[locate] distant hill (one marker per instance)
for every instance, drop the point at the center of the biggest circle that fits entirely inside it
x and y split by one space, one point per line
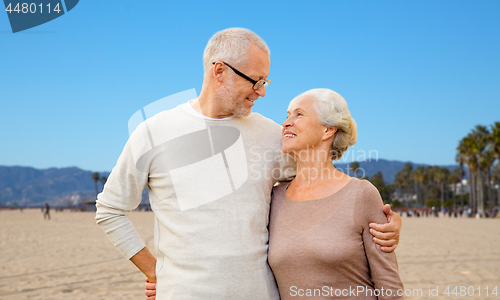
26 186
389 168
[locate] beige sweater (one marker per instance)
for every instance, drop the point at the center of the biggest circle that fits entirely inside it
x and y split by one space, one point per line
322 249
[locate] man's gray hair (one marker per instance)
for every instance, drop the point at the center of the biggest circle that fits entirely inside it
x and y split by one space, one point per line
231 45
333 112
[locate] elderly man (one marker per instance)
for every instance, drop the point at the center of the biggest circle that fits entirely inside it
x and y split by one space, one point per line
209 166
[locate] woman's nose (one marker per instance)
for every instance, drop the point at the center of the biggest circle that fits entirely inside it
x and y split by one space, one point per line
287 122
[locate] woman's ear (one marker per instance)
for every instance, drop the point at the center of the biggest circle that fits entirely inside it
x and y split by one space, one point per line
329 132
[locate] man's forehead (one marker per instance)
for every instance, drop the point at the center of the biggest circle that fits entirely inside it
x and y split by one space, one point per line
259 62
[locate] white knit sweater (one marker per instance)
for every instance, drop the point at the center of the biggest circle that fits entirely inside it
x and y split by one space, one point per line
209 184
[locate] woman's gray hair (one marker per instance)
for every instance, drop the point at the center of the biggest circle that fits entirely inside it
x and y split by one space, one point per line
231 45
333 112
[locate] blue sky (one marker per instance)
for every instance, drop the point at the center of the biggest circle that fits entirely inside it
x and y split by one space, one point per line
417 75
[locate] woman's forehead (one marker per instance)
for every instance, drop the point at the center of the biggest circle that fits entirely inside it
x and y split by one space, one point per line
304 102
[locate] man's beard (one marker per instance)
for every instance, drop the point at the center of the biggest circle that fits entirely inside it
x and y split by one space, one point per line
228 103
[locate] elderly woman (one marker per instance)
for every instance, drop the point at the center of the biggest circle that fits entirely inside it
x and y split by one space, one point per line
320 244
319 224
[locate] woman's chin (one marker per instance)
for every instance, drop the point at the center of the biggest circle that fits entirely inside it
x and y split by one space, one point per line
285 149
288 147
290 152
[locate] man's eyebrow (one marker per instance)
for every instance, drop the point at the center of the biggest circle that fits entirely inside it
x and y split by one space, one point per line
261 77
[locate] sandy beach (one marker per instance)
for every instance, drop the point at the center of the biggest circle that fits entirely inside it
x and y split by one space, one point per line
69 257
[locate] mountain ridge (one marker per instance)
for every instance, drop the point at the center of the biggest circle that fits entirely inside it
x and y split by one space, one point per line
69 186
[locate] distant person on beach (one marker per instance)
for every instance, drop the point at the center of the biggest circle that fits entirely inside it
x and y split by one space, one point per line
320 241
208 247
46 213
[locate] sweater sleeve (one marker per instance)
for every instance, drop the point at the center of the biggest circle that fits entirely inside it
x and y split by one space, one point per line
122 194
383 266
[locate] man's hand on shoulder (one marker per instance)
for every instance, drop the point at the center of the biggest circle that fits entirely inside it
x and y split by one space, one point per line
387 235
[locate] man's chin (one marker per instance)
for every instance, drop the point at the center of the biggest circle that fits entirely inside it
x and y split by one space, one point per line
242 112
246 113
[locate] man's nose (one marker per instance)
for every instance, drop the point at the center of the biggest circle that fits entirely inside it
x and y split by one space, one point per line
261 91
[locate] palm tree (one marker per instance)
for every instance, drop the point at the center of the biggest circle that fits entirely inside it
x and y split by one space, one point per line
495 139
486 161
481 137
385 190
471 151
403 182
433 184
418 176
462 173
496 180
103 180
355 168
466 156
468 152
441 177
95 178
495 148
480 151
456 179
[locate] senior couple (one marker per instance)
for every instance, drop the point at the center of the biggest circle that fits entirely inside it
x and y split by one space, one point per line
322 234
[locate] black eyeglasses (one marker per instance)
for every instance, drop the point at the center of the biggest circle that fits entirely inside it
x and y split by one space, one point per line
257 84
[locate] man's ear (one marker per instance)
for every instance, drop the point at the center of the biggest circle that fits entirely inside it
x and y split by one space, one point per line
329 132
218 71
